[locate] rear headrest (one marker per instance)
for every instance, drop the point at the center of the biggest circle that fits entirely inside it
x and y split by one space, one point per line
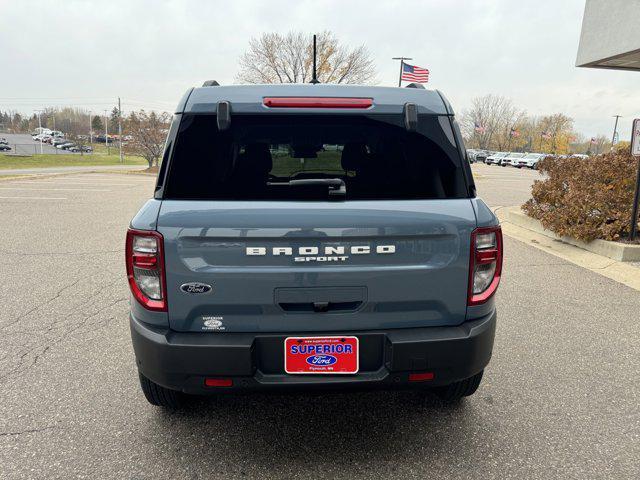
354 156
257 158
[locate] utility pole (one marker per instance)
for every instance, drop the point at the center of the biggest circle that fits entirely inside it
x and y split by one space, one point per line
615 130
40 128
120 129
106 132
402 59
90 130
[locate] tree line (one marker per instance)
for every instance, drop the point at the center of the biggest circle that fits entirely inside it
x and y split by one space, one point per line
145 132
65 119
494 123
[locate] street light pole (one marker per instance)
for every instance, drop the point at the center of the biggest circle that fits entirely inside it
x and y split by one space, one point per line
106 132
402 59
615 130
40 128
120 129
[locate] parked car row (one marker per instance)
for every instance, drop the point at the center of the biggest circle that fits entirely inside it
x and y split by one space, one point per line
47 137
56 139
72 147
514 159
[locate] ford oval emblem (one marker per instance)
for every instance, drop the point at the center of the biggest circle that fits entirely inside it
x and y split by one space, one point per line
321 360
195 287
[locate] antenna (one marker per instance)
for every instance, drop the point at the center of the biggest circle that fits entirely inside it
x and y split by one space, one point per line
314 79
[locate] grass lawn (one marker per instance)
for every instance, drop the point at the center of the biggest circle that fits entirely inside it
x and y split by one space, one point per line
285 166
8 162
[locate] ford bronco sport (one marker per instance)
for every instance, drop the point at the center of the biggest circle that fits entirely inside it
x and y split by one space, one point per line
312 236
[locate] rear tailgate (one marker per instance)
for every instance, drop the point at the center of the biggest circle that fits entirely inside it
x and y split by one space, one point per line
405 264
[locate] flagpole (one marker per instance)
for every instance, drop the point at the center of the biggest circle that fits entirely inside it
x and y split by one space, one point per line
402 59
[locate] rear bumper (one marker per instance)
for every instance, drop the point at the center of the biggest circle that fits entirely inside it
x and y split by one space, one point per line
182 361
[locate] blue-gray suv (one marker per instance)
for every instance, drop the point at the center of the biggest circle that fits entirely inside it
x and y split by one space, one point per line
314 237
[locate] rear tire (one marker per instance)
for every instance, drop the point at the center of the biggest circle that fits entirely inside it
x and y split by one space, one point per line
456 391
158 395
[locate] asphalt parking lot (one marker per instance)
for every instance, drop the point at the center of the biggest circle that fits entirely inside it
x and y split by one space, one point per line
560 398
23 144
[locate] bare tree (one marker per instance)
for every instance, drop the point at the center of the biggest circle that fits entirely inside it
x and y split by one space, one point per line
148 134
77 131
276 58
489 122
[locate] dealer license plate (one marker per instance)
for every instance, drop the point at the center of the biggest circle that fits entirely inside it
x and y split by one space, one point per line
327 355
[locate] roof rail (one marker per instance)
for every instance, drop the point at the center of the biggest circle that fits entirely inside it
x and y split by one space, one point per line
415 85
210 83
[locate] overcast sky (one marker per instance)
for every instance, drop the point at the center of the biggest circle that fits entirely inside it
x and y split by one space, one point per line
149 52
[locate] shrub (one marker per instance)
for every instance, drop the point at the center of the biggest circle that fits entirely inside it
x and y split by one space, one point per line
585 198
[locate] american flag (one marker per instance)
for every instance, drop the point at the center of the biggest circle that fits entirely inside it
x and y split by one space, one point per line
478 127
411 73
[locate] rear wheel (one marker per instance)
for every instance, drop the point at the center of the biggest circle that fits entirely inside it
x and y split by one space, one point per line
456 391
158 395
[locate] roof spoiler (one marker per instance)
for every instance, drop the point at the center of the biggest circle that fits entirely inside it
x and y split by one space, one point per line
415 85
210 83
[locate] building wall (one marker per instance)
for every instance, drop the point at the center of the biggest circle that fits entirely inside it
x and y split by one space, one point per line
609 28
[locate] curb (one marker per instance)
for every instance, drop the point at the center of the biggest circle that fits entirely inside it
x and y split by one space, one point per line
622 272
614 250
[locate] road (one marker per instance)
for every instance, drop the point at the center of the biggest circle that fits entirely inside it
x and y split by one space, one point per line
503 186
559 399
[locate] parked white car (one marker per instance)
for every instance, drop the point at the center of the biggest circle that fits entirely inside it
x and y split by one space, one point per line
512 158
530 160
496 158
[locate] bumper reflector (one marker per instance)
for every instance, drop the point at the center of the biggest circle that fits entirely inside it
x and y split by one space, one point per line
421 377
218 382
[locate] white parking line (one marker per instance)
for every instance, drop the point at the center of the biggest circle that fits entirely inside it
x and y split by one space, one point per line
34 198
97 184
56 189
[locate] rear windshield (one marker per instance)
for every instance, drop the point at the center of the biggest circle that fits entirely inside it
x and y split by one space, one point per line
314 157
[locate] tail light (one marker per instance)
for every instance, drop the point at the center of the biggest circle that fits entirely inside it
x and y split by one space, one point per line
145 269
485 264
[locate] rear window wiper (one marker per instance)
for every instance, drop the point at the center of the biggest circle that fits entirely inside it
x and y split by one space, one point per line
337 187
